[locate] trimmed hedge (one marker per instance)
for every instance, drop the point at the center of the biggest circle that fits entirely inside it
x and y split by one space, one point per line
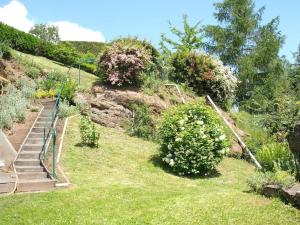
62 52
85 47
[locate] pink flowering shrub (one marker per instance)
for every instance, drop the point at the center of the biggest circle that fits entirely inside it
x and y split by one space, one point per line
123 64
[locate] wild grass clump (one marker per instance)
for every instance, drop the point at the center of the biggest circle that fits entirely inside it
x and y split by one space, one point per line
143 124
260 180
275 155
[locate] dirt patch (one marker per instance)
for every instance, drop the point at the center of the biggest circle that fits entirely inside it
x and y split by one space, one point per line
20 130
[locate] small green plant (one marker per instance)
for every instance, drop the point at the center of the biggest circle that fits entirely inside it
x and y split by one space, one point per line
274 155
32 72
88 132
52 80
143 124
68 90
259 180
66 110
82 105
34 109
5 52
13 106
192 139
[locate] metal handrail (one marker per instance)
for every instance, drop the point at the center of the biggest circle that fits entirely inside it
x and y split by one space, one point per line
51 133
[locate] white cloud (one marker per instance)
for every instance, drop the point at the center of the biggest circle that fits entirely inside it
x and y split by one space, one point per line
15 14
73 32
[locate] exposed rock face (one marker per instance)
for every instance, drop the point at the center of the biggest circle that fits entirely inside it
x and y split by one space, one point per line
111 107
2 69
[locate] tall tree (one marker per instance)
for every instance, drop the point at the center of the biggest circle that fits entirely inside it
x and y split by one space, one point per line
191 38
233 38
46 32
261 60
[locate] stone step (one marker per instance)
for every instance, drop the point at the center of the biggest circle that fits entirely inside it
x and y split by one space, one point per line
44 119
35 185
29 168
31 175
36 135
35 141
27 162
32 147
40 130
29 155
42 124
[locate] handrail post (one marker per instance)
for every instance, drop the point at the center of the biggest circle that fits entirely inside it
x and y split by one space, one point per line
44 145
79 74
54 153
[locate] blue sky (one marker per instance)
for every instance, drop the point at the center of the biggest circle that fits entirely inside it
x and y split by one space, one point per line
149 18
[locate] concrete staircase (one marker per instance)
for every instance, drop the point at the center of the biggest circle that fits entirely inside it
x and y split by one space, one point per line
31 174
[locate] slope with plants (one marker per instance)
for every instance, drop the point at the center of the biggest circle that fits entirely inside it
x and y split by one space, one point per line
122 182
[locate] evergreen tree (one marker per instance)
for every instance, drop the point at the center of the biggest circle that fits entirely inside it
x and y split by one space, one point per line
233 38
191 38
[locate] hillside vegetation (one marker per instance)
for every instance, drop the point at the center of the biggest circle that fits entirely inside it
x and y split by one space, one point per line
122 182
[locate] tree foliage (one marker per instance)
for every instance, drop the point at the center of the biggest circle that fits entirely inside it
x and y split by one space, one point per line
233 38
190 38
48 33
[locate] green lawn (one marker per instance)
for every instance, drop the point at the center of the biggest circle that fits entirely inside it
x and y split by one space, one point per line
86 81
122 183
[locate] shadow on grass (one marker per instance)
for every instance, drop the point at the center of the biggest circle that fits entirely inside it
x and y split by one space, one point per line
157 162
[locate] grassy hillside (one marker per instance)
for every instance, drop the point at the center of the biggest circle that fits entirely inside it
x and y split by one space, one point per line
122 182
87 79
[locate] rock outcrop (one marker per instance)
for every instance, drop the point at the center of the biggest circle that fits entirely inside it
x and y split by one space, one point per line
112 107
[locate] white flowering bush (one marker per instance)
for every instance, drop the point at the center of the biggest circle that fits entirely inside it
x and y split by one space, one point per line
192 139
224 83
205 74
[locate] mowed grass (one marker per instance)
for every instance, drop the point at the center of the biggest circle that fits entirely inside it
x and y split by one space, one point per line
86 79
122 182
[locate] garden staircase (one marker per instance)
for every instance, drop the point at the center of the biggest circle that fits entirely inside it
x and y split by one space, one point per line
32 175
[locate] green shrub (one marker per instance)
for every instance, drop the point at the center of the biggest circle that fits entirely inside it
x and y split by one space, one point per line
13 106
256 135
68 90
85 47
66 110
5 52
82 105
62 52
65 53
275 155
143 124
32 72
192 139
88 132
52 80
259 180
